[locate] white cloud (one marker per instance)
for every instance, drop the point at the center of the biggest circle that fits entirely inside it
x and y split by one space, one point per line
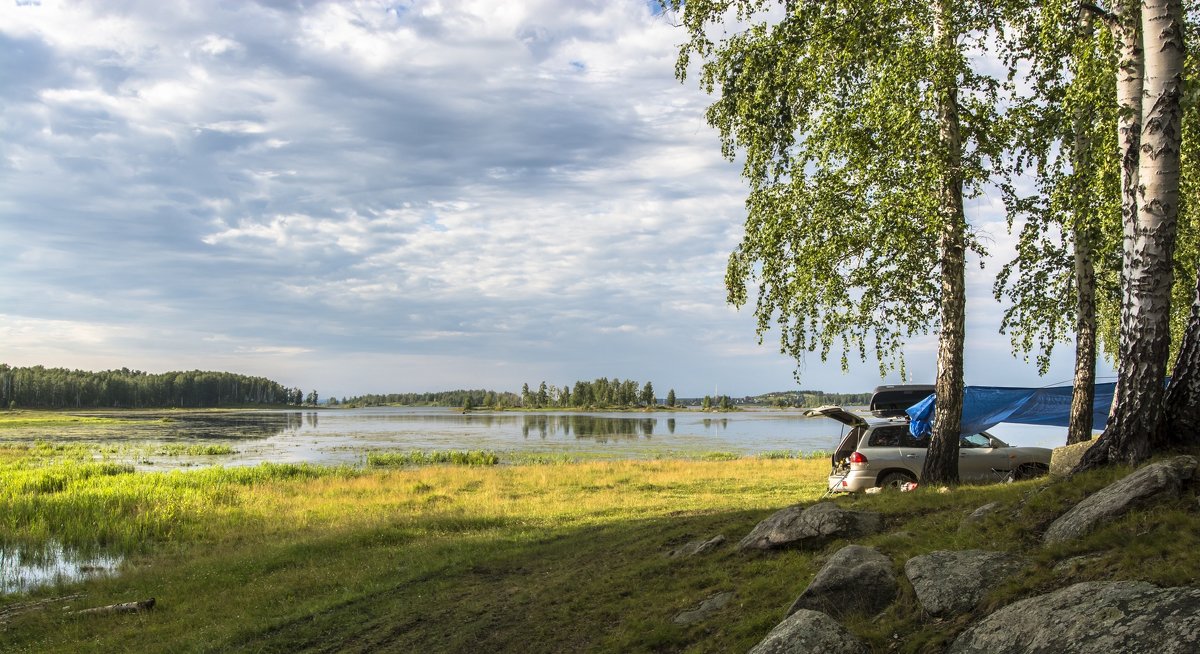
310 190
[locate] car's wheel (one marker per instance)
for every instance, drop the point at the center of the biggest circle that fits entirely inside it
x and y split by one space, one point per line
1030 470
893 480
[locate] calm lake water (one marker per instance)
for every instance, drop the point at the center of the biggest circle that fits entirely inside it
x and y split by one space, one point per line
344 436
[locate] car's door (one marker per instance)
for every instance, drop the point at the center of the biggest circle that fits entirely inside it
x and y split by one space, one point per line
976 458
912 452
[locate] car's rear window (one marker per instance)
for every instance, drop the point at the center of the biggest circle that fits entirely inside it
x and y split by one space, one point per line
888 436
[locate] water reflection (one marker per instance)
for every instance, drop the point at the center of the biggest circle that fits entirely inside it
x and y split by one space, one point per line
24 569
598 428
340 436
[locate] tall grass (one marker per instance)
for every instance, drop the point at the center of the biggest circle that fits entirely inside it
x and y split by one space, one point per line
418 458
87 504
798 454
179 449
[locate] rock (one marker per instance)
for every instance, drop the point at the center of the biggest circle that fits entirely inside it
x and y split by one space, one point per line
797 526
809 632
1118 497
979 514
1064 459
695 547
1096 617
1075 563
705 610
953 582
856 579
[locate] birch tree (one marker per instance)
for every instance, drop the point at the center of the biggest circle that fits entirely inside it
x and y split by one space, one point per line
1145 316
863 126
1065 277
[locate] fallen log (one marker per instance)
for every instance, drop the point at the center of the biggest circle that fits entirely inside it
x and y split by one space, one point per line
13 610
126 607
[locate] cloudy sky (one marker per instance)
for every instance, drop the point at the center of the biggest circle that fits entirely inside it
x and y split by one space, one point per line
386 196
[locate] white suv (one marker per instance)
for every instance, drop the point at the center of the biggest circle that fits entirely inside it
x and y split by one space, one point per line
882 452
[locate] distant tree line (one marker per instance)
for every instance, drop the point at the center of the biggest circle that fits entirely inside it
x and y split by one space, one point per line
457 398
38 387
805 398
599 393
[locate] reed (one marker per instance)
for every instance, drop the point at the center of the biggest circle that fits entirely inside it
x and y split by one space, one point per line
419 458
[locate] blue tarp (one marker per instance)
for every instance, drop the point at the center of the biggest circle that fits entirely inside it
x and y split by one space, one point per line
987 406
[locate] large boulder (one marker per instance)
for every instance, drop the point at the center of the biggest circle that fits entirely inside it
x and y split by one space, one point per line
797 526
1164 477
855 579
809 632
1098 617
1064 459
952 582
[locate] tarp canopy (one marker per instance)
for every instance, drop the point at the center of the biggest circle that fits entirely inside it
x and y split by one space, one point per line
987 406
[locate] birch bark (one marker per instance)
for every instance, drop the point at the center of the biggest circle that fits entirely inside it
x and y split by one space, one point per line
1145 327
941 461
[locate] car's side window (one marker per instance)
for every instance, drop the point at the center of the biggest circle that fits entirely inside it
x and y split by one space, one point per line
975 440
886 437
908 440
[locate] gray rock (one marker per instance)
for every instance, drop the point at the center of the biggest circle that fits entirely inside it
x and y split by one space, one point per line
695 547
809 632
1064 459
953 582
1099 617
705 610
855 579
797 526
1076 563
978 515
1164 477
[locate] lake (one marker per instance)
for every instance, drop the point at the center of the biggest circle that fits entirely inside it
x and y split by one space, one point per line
343 436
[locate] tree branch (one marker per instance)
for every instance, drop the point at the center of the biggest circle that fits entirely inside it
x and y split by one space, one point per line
1107 16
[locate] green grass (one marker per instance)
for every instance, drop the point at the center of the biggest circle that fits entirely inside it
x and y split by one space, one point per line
179 449
798 454
20 419
418 458
528 558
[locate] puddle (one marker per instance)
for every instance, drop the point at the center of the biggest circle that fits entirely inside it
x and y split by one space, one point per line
24 569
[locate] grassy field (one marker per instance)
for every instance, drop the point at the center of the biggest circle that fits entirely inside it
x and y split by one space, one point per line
540 557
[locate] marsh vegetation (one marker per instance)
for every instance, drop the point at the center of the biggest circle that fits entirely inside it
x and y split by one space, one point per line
546 556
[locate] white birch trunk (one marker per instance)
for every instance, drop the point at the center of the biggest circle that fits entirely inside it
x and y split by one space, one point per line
1146 314
941 460
1083 394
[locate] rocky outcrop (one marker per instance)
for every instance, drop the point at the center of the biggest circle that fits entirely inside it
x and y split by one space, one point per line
809 632
1064 459
856 579
797 526
705 610
1092 618
1165 477
953 582
695 547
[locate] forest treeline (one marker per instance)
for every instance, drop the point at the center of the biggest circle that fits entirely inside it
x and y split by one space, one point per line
38 387
456 398
601 392
806 399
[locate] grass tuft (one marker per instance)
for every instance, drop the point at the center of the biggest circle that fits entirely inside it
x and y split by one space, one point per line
419 458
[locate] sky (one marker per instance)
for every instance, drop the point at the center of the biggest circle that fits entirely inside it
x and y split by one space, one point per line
372 197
